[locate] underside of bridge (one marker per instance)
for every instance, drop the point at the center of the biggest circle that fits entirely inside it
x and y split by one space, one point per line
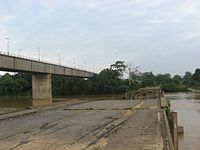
41 89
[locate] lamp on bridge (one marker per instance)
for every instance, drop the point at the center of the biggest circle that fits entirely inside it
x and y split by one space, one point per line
20 51
59 59
7 45
38 48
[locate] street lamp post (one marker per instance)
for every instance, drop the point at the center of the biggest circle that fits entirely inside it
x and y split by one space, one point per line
59 59
43 57
20 51
7 45
74 62
38 48
85 66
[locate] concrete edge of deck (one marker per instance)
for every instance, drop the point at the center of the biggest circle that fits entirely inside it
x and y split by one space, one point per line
16 114
167 137
35 110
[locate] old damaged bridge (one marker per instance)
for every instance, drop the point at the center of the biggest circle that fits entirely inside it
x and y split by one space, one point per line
41 75
88 125
137 124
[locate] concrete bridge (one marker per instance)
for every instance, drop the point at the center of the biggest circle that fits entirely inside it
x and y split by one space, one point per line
145 93
41 75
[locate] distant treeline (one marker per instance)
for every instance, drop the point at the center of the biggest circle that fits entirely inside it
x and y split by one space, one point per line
108 81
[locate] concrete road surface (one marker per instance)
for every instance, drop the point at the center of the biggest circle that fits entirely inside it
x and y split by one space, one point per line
91 125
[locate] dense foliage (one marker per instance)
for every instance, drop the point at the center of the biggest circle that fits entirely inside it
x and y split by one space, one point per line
108 81
17 84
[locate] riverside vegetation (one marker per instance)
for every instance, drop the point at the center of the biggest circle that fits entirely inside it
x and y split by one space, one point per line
108 81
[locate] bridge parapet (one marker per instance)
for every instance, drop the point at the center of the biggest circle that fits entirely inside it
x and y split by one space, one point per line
17 64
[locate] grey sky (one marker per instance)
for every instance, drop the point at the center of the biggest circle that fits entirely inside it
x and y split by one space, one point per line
159 35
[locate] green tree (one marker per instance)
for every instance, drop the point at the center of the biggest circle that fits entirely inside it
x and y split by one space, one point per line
148 79
119 67
177 79
187 79
162 79
196 75
108 82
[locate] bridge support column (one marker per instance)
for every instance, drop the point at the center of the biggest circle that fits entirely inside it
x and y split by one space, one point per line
41 89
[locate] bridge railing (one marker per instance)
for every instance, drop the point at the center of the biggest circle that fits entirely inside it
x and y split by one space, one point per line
26 57
37 59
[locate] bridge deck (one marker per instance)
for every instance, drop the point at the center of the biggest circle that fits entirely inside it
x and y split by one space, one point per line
18 64
108 124
143 131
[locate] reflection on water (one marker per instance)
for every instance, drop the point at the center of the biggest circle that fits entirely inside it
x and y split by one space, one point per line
188 107
14 103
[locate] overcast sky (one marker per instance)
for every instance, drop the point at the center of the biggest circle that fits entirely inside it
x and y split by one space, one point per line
162 36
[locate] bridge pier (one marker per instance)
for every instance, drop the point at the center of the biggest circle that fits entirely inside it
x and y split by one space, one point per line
41 89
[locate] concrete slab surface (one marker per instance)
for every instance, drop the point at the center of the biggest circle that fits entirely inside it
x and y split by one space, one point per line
93 125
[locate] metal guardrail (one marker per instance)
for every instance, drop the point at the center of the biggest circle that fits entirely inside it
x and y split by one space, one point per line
25 57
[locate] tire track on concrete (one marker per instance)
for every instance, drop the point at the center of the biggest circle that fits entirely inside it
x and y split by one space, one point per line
111 127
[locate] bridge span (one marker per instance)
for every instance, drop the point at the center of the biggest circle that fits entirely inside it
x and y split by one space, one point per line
41 75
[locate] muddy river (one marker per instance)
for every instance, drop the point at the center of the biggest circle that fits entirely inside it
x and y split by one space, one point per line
188 107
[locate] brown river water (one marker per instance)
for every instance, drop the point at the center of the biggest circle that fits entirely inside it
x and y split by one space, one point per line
188 107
